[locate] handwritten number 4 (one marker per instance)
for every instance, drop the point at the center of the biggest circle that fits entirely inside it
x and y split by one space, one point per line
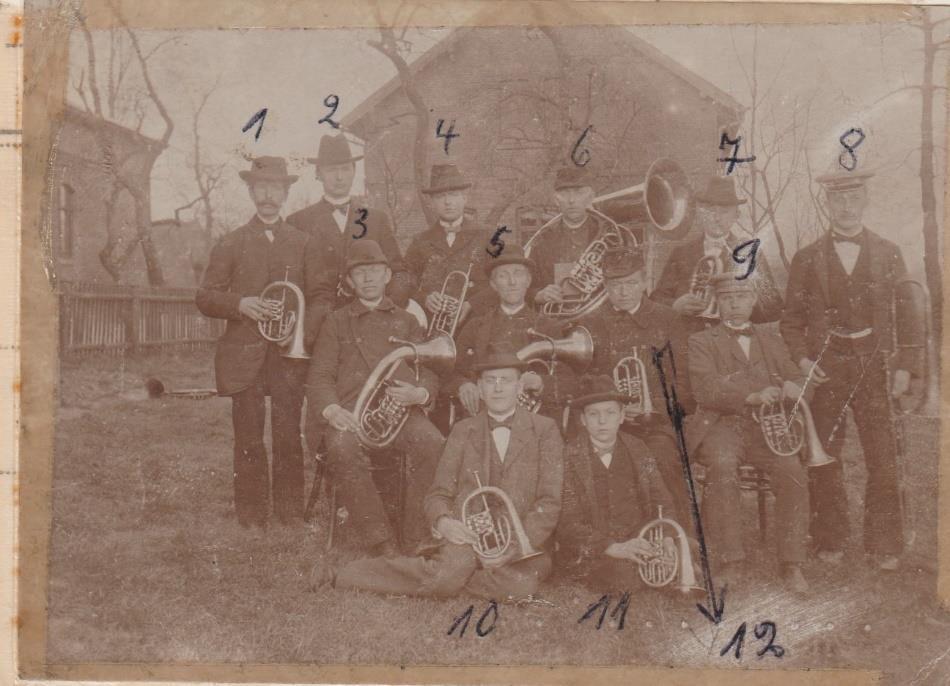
447 135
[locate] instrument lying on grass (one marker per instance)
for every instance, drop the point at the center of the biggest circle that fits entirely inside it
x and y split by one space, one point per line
671 554
630 378
285 326
786 431
494 531
447 319
575 349
156 389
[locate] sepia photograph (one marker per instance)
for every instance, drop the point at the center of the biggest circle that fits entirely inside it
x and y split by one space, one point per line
487 343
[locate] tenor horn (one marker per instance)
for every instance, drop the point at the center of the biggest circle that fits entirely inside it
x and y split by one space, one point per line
786 432
285 323
630 378
493 531
700 284
379 416
446 320
670 554
577 349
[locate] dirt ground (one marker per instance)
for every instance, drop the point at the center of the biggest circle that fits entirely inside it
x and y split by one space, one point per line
148 564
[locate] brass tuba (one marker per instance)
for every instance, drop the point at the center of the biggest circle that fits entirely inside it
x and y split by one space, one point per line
662 200
446 320
576 349
669 556
286 323
700 284
786 432
378 415
630 378
493 531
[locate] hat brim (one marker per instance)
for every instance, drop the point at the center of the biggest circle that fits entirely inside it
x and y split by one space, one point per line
572 184
507 362
502 260
360 263
316 161
432 190
250 176
583 401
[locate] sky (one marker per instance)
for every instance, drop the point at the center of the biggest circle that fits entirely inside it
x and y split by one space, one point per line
845 71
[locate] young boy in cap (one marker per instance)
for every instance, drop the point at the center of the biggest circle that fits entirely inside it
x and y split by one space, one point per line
839 328
352 341
717 211
612 487
247 366
734 368
503 446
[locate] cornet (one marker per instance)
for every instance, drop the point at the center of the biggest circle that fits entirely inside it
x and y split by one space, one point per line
700 284
671 554
576 349
446 320
630 378
286 324
785 432
493 532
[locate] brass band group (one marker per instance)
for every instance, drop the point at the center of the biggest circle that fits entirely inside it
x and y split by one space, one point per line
489 414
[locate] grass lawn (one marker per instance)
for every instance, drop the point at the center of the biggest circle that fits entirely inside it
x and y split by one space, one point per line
148 564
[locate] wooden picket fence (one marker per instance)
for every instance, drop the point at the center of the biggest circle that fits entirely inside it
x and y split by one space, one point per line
114 319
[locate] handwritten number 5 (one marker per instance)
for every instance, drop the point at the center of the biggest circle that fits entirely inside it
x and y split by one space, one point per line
581 156
361 222
753 246
497 241
331 101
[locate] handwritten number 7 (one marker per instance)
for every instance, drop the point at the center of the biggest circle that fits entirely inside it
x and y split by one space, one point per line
331 101
256 119
753 246
361 222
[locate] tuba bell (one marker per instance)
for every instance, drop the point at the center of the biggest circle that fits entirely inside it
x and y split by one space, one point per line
285 326
700 284
494 531
786 432
446 320
662 200
380 417
630 378
576 349
671 554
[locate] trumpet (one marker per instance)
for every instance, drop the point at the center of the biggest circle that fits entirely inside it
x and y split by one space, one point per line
285 326
446 320
379 416
577 349
494 532
786 432
701 284
671 554
630 378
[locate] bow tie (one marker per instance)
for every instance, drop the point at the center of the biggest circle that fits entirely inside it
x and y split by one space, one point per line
740 331
499 424
340 208
841 238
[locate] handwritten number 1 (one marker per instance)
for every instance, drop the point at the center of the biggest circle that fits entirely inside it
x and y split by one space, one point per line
753 246
256 119
331 101
361 222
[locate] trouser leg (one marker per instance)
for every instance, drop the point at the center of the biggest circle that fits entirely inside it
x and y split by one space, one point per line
513 581
721 452
422 444
350 468
251 485
285 379
445 574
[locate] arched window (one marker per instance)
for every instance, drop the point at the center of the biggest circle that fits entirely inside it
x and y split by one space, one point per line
67 200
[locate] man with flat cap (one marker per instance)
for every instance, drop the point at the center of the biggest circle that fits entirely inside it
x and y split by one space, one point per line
612 488
839 327
247 366
453 243
627 329
717 211
351 343
504 447
337 223
735 367
509 277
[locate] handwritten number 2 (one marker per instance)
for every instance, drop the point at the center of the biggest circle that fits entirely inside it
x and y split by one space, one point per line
581 156
848 159
256 119
768 628
331 101
497 241
361 222
753 246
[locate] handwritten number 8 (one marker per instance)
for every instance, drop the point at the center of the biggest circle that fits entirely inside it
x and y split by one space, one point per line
848 159
331 101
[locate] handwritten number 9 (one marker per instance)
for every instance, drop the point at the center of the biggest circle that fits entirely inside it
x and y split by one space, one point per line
581 156
753 246
331 101
361 222
848 159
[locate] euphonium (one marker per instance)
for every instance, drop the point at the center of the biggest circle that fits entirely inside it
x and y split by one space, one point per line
701 284
630 378
669 555
378 415
446 320
493 531
786 432
286 324
576 349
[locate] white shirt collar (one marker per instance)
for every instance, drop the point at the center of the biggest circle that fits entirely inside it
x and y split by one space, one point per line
345 200
573 226
603 446
371 304
272 222
501 418
452 225
511 311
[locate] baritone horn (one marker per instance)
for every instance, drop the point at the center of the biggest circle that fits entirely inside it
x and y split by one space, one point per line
786 432
379 416
670 554
493 532
285 325
700 284
446 320
630 378
576 349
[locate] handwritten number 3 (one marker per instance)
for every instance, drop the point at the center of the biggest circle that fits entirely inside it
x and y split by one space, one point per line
331 101
361 222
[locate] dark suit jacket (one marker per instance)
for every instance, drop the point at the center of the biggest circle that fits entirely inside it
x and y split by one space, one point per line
583 530
723 377
678 271
806 320
318 221
532 477
241 264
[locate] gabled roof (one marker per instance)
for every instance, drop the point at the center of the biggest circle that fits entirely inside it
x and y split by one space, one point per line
641 46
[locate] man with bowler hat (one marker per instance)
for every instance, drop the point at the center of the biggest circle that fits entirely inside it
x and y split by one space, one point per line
337 223
247 366
717 210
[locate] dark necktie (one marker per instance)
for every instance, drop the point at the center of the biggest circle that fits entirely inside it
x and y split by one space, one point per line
841 238
740 331
340 208
495 424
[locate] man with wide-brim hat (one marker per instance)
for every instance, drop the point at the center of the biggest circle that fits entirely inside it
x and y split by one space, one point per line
454 242
247 366
352 342
717 213
625 331
505 447
839 325
612 488
338 221
740 372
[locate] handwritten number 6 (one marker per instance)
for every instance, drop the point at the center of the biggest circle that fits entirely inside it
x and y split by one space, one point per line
753 246
331 101
361 222
581 156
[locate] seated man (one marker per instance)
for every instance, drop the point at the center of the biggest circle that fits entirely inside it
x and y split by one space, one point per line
612 487
352 341
509 275
734 368
502 446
